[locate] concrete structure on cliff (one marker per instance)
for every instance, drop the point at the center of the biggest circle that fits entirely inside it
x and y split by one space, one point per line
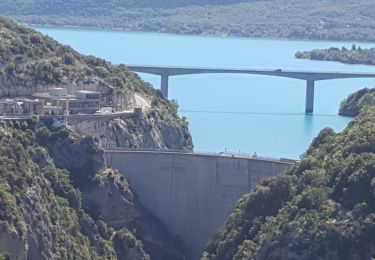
193 194
308 76
21 107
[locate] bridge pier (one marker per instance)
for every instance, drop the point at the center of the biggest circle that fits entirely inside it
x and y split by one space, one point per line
309 106
164 85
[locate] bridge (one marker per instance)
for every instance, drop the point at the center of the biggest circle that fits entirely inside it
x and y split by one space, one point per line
191 193
309 76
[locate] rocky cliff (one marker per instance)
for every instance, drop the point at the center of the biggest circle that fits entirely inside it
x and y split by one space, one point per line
148 131
59 201
106 195
357 101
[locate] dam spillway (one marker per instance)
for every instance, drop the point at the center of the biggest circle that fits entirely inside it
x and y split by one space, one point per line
192 194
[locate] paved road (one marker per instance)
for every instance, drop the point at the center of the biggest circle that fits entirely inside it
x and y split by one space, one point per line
142 102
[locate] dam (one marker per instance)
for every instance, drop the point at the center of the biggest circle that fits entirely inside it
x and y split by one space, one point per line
191 193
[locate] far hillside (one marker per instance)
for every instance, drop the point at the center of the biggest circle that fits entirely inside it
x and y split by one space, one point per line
302 19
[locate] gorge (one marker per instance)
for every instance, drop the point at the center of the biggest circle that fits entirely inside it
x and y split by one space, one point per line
67 172
159 200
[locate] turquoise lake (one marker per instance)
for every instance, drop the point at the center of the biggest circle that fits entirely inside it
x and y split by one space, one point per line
237 113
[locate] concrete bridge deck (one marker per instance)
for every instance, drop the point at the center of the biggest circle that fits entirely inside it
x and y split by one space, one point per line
191 193
309 76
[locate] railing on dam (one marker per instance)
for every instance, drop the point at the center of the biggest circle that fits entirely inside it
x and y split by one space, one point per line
238 155
191 193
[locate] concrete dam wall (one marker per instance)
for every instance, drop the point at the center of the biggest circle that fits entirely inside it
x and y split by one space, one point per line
193 194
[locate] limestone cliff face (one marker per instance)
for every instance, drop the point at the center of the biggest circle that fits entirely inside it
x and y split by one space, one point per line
149 131
81 156
13 245
39 234
357 101
111 199
128 246
37 219
106 195
13 87
58 201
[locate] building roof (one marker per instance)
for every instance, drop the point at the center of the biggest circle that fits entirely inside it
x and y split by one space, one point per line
87 92
13 100
48 95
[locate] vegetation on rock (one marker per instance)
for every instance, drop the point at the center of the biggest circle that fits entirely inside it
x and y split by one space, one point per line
46 177
322 19
321 208
39 204
358 101
27 55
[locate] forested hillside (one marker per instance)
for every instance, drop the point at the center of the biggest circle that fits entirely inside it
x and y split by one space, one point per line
66 5
323 207
321 19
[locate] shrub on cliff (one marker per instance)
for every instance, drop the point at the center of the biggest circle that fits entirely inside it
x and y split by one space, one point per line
356 102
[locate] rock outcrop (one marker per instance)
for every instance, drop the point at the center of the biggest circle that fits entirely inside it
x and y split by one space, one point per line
106 195
58 201
149 131
111 199
128 246
11 244
357 101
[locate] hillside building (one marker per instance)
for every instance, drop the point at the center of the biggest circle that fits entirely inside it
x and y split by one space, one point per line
57 101
21 107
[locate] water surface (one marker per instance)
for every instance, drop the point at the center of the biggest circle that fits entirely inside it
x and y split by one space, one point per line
239 113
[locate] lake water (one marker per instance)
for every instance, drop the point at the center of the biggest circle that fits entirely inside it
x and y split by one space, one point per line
239 113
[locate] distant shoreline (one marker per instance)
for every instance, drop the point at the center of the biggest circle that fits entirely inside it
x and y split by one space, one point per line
274 19
227 36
